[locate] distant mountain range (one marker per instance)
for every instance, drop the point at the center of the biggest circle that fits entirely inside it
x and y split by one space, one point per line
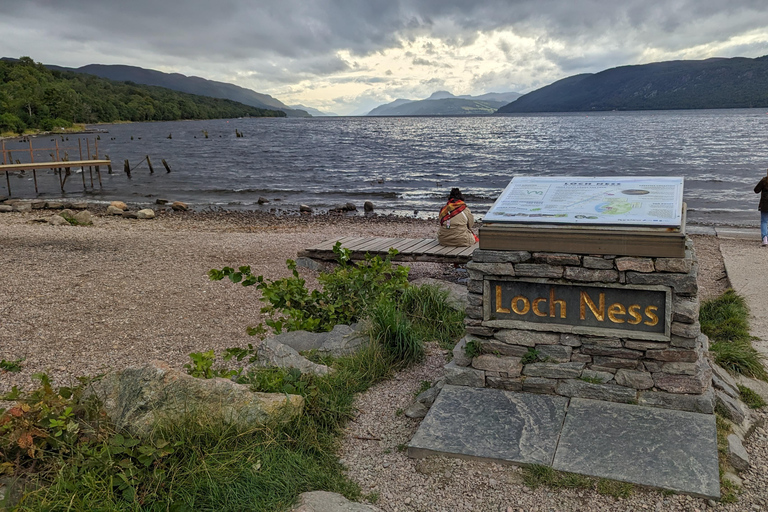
313 111
443 103
695 84
188 84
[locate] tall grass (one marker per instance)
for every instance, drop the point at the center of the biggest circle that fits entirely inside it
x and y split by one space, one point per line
725 320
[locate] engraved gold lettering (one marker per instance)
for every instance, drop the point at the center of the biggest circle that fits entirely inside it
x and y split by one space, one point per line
499 307
634 312
536 303
526 305
614 310
586 300
553 301
652 318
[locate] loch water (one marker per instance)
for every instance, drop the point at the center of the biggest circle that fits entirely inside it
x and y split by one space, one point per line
407 165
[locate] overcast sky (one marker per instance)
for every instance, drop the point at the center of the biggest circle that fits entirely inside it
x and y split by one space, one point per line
351 55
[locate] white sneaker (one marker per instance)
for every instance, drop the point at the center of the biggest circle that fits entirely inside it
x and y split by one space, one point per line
765 241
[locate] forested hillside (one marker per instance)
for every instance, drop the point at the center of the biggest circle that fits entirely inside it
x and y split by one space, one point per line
712 83
34 97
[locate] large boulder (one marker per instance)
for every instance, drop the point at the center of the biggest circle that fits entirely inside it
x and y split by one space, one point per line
146 213
341 341
114 210
83 218
136 399
272 353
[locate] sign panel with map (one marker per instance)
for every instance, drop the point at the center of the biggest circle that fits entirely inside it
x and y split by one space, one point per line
640 201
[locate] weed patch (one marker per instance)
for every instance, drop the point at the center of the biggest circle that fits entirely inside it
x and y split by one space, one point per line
749 397
11 366
536 476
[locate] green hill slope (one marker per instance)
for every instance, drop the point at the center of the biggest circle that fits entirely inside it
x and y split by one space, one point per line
32 96
712 83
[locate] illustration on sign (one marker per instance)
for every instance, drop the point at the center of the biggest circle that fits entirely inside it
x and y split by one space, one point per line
643 201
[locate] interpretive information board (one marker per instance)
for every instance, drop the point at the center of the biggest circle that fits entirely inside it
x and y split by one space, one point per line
640 201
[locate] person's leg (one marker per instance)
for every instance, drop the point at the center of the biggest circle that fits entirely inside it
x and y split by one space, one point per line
763 225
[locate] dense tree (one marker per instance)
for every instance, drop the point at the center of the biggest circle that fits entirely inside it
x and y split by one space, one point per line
32 96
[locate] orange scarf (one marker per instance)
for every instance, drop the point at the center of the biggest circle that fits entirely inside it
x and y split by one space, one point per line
450 210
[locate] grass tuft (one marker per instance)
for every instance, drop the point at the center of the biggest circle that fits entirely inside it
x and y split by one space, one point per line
11 366
536 476
750 398
725 320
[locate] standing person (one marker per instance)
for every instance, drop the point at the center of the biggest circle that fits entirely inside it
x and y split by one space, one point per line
762 188
456 222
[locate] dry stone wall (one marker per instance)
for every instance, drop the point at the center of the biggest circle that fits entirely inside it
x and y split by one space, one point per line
670 371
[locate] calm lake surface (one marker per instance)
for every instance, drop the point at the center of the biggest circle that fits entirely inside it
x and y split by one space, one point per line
410 164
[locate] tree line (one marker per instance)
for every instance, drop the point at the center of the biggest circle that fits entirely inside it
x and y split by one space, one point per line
34 97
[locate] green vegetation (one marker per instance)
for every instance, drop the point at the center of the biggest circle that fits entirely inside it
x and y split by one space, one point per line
592 380
750 398
72 459
473 348
34 97
531 356
725 320
536 476
728 490
11 366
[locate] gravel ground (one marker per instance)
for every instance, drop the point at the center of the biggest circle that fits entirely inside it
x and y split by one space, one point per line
81 300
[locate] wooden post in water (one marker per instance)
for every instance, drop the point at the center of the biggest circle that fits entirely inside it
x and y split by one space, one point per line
7 179
151 170
82 171
109 167
32 160
90 169
98 171
167 168
127 168
58 169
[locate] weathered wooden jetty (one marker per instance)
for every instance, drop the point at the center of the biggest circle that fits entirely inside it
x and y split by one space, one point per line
61 165
409 249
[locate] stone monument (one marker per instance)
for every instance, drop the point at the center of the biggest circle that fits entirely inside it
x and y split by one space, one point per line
586 288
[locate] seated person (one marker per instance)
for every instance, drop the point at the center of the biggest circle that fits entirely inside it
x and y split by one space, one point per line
456 222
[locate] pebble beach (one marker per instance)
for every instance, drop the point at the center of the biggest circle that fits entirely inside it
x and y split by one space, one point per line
81 300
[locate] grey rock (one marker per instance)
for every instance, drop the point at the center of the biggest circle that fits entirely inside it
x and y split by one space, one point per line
678 265
428 396
601 341
54 205
621 353
682 342
538 270
416 410
309 263
737 455
475 286
578 357
603 377
323 501
342 340
680 368
527 338
479 331
506 383
84 218
136 399
673 355
539 385
732 407
644 265
57 220
503 364
688 384
474 299
305 209
474 312
722 380
486 256
685 309
570 340
733 478
22 207
80 205
758 386
262 200
686 330
272 353
554 258
350 207
495 269
38 205
4 208
129 215
645 345
703 403
607 363
610 392
497 347
463 376
146 213
683 284
553 370
460 356
368 206
114 210
556 353
597 263
590 275
161 201
67 213
634 379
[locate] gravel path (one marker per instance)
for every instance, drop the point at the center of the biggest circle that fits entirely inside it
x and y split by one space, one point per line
81 300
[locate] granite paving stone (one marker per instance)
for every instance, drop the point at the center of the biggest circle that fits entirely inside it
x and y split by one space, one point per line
491 424
673 450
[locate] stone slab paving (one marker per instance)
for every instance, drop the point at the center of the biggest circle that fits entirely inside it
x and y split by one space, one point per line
673 450
491 424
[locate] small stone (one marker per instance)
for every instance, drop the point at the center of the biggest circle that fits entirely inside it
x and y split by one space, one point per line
305 209
416 410
161 201
505 383
597 263
350 207
703 403
554 258
686 330
4 208
495 269
497 347
262 200
733 408
737 455
677 265
635 264
590 275
179 206
570 340
527 338
556 353
688 384
634 379
614 363
22 207
538 270
368 206
622 353
129 215
57 220
486 256
553 370
603 377
685 309
460 356
54 205
505 364
461 376
83 218
119 204
673 355
146 213
114 210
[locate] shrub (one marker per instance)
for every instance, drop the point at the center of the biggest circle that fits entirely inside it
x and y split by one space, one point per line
11 123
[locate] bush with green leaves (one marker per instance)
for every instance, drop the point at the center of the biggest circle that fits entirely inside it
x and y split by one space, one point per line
347 292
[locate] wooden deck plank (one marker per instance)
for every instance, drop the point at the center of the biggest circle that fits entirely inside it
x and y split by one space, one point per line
368 244
395 243
411 244
354 245
429 248
468 250
328 244
418 248
53 165
383 245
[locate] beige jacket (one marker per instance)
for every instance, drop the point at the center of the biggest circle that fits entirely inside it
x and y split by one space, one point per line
456 231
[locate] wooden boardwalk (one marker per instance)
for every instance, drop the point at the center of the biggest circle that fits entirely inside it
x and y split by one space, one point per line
410 249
